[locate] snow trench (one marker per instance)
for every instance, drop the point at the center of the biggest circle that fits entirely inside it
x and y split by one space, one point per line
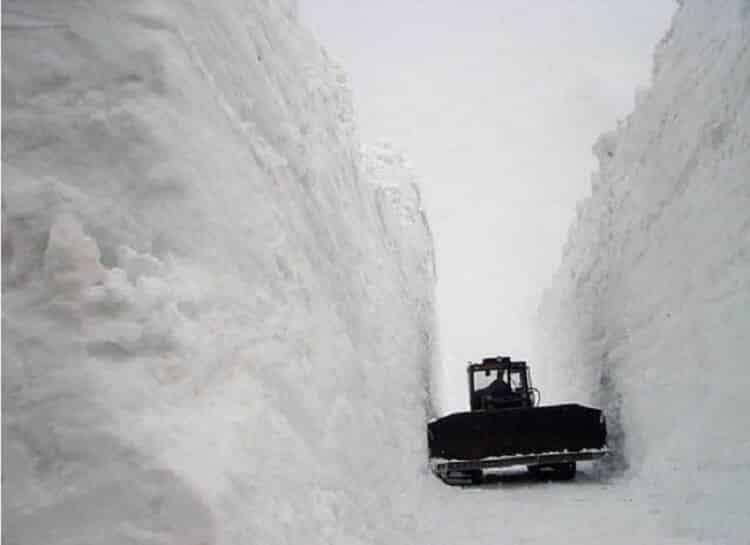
649 313
217 310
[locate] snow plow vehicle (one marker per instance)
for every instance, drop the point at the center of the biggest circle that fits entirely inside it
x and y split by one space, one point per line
506 427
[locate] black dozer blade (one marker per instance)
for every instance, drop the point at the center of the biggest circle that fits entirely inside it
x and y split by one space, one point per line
510 432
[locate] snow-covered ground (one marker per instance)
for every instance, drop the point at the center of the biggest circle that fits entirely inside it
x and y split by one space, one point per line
513 509
218 314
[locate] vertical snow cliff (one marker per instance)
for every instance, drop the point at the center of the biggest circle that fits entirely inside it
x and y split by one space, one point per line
649 314
217 320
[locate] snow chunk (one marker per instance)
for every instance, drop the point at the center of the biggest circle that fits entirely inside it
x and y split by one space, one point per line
71 260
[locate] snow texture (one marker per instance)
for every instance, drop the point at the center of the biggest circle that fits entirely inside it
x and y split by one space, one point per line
217 312
649 313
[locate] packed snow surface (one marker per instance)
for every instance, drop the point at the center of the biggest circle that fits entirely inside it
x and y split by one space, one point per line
218 314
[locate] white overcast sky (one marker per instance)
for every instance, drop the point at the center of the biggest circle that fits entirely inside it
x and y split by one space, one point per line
497 104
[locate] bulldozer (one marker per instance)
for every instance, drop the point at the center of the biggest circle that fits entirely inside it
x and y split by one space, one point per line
506 426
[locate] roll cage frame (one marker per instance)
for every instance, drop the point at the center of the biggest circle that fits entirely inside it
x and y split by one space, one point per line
524 396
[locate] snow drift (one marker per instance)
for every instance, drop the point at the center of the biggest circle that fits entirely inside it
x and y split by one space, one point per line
649 313
217 319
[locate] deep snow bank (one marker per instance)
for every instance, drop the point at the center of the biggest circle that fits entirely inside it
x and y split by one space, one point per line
216 321
649 314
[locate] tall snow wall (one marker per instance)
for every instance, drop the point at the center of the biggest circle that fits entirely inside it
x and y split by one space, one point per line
649 313
217 319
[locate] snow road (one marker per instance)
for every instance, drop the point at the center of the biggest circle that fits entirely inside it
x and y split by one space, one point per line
512 507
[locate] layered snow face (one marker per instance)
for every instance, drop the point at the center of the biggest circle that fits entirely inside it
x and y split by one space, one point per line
217 315
649 314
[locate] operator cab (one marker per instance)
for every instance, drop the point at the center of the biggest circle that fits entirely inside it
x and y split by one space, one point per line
499 383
